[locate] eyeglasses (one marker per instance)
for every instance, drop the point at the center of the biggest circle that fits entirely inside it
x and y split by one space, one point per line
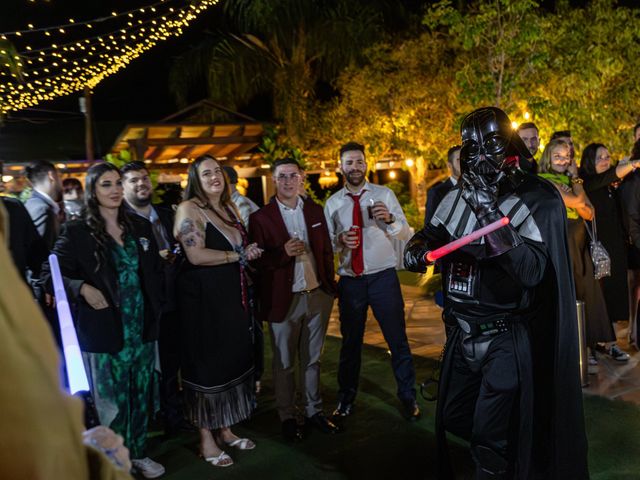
291 177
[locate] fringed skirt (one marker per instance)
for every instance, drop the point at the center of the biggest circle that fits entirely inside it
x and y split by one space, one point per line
220 406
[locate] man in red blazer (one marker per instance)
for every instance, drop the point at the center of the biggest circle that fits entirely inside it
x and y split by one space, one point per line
296 292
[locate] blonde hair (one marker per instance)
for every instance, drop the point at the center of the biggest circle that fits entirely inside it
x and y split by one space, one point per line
545 160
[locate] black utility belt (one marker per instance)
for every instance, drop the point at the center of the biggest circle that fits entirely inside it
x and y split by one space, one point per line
484 326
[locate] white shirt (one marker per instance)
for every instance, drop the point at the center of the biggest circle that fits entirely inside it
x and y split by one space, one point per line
378 251
245 206
304 272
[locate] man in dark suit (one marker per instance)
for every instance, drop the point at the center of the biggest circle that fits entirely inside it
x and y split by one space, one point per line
44 203
297 289
436 193
137 195
27 247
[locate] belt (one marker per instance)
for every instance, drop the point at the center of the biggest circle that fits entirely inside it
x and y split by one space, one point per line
484 326
306 292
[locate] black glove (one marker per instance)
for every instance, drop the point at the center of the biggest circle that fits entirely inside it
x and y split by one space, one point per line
482 198
414 254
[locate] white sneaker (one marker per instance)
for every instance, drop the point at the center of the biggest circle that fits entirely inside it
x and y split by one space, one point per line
147 467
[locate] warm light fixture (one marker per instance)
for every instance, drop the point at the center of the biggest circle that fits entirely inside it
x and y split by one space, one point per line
527 116
7 178
265 166
60 166
148 160
392 174
328 179
409 162
514 125
184 160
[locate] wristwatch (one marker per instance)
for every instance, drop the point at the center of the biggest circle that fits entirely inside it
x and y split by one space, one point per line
392 219
577 180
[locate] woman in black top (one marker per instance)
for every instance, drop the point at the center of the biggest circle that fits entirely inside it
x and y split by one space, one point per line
601 181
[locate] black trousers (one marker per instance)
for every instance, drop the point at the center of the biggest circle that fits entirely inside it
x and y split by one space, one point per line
480 402
382 292
168 349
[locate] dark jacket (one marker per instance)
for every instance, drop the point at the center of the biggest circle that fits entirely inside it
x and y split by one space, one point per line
434 196
166 216
276 268
101 331
27 247
46 221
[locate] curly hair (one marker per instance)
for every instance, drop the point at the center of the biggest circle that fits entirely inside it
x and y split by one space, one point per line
91 213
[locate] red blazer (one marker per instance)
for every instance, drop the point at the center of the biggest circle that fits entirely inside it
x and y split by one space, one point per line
275 267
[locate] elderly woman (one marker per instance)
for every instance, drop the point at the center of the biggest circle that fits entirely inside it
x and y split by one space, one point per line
215 311
601 181
557 166
113 272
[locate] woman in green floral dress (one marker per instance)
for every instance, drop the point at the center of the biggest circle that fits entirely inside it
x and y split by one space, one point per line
113 273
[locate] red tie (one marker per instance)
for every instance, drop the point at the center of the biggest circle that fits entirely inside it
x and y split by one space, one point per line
357 260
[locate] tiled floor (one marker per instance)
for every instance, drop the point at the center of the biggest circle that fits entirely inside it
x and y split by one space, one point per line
426 337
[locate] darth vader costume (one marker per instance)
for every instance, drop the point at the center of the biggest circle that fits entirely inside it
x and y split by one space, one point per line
509 382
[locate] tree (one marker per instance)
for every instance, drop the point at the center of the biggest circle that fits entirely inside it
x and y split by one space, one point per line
283 48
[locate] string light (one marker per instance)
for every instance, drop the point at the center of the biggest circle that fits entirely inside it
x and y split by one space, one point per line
68 67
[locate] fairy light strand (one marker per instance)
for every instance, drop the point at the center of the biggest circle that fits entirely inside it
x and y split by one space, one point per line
72 66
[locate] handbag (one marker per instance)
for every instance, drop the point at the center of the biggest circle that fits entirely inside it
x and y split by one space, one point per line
599 255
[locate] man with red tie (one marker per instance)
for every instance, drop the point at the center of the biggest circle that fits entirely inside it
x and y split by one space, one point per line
363 219
296 292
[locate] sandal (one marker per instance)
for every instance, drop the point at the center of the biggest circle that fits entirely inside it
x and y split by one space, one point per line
215 461
242 444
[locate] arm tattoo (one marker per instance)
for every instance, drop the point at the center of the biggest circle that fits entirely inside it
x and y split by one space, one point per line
190 233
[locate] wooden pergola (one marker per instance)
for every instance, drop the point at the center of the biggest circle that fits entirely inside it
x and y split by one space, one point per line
162 145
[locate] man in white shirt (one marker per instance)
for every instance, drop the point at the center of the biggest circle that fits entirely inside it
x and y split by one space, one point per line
362 219
245 205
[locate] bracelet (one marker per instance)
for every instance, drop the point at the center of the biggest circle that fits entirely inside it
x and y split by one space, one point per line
226 257
576 180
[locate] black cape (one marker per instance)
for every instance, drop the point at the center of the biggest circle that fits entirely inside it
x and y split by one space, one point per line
551 416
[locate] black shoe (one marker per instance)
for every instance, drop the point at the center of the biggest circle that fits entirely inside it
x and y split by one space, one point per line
411 410
322 423
343 410
291 431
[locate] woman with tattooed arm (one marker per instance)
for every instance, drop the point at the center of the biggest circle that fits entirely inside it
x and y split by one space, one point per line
215 311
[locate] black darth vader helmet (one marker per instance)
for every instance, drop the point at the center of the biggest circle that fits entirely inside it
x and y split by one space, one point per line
490 144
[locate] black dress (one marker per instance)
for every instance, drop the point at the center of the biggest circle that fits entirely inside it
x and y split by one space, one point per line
604 196
217 361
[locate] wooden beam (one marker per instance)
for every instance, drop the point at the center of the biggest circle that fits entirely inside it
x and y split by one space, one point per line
154 142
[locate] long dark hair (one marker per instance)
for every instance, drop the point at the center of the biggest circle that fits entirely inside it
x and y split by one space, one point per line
588 161
194 187
92 216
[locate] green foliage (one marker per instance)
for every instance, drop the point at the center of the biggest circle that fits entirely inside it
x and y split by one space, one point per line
119 160
275 147
573 70
409 206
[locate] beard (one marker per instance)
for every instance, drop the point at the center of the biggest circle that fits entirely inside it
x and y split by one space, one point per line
355 178
140 202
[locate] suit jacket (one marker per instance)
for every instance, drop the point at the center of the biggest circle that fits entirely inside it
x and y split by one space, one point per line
44 218
166 216
434 196
276 268
27 247
101 330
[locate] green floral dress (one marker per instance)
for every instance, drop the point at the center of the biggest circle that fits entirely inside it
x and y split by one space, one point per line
122 381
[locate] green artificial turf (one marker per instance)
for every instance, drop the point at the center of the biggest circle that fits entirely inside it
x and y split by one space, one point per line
377 442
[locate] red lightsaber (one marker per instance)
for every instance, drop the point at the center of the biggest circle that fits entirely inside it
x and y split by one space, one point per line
434 255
